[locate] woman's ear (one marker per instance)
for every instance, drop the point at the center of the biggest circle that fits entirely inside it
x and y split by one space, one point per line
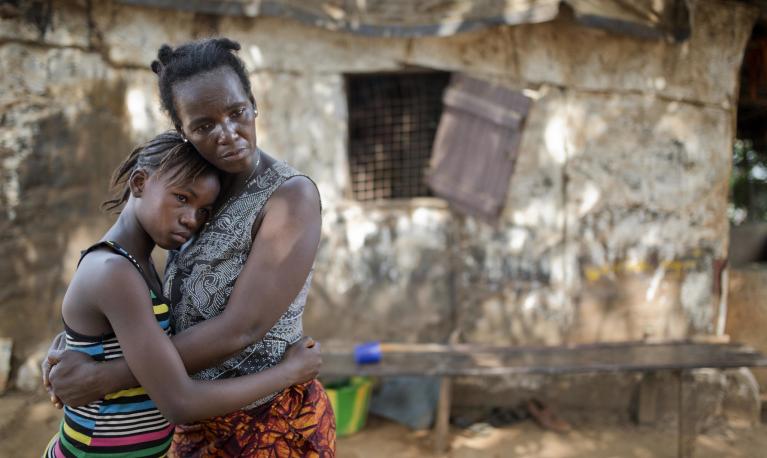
137 181
181 132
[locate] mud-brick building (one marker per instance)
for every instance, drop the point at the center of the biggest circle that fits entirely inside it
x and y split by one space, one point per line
608 221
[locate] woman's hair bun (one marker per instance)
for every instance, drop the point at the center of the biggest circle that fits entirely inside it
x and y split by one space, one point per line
226 43
156 66
164 54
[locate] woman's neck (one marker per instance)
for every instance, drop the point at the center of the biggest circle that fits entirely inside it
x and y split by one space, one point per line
234 184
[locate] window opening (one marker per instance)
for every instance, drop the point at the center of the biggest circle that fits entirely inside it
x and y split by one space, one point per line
393 120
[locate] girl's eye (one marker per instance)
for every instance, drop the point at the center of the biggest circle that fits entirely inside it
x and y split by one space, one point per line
239 112
181 198
204 213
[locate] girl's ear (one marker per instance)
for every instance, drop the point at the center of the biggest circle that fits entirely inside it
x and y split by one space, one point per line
137 181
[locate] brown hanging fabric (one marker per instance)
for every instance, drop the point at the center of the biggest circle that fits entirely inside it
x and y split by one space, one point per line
476 146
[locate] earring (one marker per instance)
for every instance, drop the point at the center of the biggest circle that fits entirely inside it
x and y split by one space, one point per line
255 111
186 140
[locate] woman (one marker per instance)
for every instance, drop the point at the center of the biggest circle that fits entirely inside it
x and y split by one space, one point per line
242 284
114 308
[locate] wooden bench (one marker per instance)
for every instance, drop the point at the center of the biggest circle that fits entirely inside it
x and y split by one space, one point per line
446 361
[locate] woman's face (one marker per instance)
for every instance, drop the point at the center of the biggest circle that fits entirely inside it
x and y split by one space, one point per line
218 117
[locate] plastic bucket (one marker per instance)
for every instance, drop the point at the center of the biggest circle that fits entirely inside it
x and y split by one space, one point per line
350 400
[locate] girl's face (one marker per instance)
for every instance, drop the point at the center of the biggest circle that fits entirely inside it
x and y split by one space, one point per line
172 212
219 118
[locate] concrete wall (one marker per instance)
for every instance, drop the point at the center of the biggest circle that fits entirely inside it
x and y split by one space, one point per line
616 214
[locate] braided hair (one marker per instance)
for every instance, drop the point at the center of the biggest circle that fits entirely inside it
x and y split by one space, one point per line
191 59
166 153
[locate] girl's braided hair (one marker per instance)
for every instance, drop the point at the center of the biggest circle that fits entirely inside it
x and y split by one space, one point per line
166 153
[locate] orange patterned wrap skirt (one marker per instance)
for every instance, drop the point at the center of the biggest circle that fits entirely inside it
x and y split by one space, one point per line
299 422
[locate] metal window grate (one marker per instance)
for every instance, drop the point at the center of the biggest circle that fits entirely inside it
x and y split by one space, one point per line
393 120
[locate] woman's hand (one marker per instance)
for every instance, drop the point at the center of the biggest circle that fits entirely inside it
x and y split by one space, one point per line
74 379
57 347
303 360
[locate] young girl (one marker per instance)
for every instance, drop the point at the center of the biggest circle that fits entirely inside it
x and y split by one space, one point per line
114 307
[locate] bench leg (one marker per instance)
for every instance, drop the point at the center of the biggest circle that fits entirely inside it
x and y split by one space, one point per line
647 412
686 433
442 422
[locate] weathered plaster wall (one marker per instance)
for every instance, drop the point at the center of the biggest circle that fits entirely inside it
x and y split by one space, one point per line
747 311
616 212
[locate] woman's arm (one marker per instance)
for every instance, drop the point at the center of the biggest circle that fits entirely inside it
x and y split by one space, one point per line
280 259
157 365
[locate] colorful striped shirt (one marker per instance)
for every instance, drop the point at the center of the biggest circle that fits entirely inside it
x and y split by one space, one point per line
122 424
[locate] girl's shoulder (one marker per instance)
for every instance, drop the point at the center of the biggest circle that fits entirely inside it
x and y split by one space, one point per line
102 267
98 278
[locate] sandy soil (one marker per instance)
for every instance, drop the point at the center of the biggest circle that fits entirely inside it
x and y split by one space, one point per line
27 422
383 439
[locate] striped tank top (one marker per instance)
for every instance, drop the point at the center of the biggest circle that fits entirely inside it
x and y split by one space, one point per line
122 424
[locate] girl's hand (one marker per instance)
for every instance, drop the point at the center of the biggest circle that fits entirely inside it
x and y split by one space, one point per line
303 360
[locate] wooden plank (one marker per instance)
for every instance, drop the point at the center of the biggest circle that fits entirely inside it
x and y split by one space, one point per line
476 145
447 360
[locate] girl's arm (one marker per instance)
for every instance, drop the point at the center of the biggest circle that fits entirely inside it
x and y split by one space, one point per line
123 298
280 259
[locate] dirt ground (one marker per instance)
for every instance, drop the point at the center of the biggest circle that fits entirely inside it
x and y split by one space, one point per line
27 422
384 439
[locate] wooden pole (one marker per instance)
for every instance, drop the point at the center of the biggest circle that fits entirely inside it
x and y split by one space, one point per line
686 433
442 422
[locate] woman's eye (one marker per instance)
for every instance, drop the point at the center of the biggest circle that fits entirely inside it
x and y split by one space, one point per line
181 198
239 112
203 128
204 213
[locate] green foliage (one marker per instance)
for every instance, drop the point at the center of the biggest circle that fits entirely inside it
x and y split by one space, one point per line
748 183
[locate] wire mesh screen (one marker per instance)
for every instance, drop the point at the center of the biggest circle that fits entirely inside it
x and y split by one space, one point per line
393 119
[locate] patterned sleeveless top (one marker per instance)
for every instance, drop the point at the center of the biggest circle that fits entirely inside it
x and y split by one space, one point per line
125 423
200 278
